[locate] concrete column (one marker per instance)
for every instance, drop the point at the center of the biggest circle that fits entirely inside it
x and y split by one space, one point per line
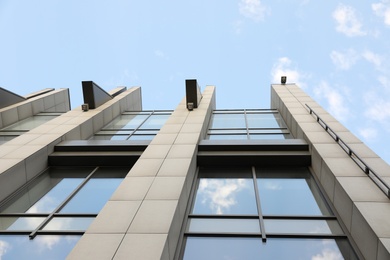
23 157
143 218
362 206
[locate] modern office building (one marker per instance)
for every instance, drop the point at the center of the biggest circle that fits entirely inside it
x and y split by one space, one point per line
108 180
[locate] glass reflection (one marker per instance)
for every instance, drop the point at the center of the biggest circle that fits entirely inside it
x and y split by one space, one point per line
275 248
228 225
267 136
286 194
126 121
20 223
92 197
227 121
302 226
225 196
69 223
269 120
41 247
227 137
155 122
30 123
109 137
47 191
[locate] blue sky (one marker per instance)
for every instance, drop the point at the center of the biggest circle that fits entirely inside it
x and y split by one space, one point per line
337 51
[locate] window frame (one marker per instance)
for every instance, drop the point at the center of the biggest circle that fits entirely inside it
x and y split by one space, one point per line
246 130
262 218
55 213
128 133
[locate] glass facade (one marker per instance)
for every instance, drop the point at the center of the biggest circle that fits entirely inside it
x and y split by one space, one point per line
253 124
261 213
10 132
52 211
143 125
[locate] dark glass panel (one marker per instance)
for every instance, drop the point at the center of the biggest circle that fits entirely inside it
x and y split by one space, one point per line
41 247
223 225
111 172
69 223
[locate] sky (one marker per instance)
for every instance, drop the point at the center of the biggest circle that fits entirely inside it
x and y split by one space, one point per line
336 51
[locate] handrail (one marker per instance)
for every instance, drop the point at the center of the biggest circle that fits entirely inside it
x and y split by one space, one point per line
362 165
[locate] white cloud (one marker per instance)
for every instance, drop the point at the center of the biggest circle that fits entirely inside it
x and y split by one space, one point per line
373 58
270 185
328 254
253 9
382 9
237 26
283 67
368 133
160 54
344 60
378 108
385 82
4 246
347 22
220 194
336 102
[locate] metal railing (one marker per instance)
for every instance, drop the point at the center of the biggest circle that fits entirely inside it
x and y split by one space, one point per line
365 168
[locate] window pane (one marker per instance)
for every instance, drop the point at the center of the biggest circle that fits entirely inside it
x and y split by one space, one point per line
126 121
227 121
290 192
92 197
69 223
109 137
275 248
225 225
155 122
264 121
29 123
228 137
302 226
228 131
225 196
267 137
47 191
268 131
20 223
215 248
41 247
